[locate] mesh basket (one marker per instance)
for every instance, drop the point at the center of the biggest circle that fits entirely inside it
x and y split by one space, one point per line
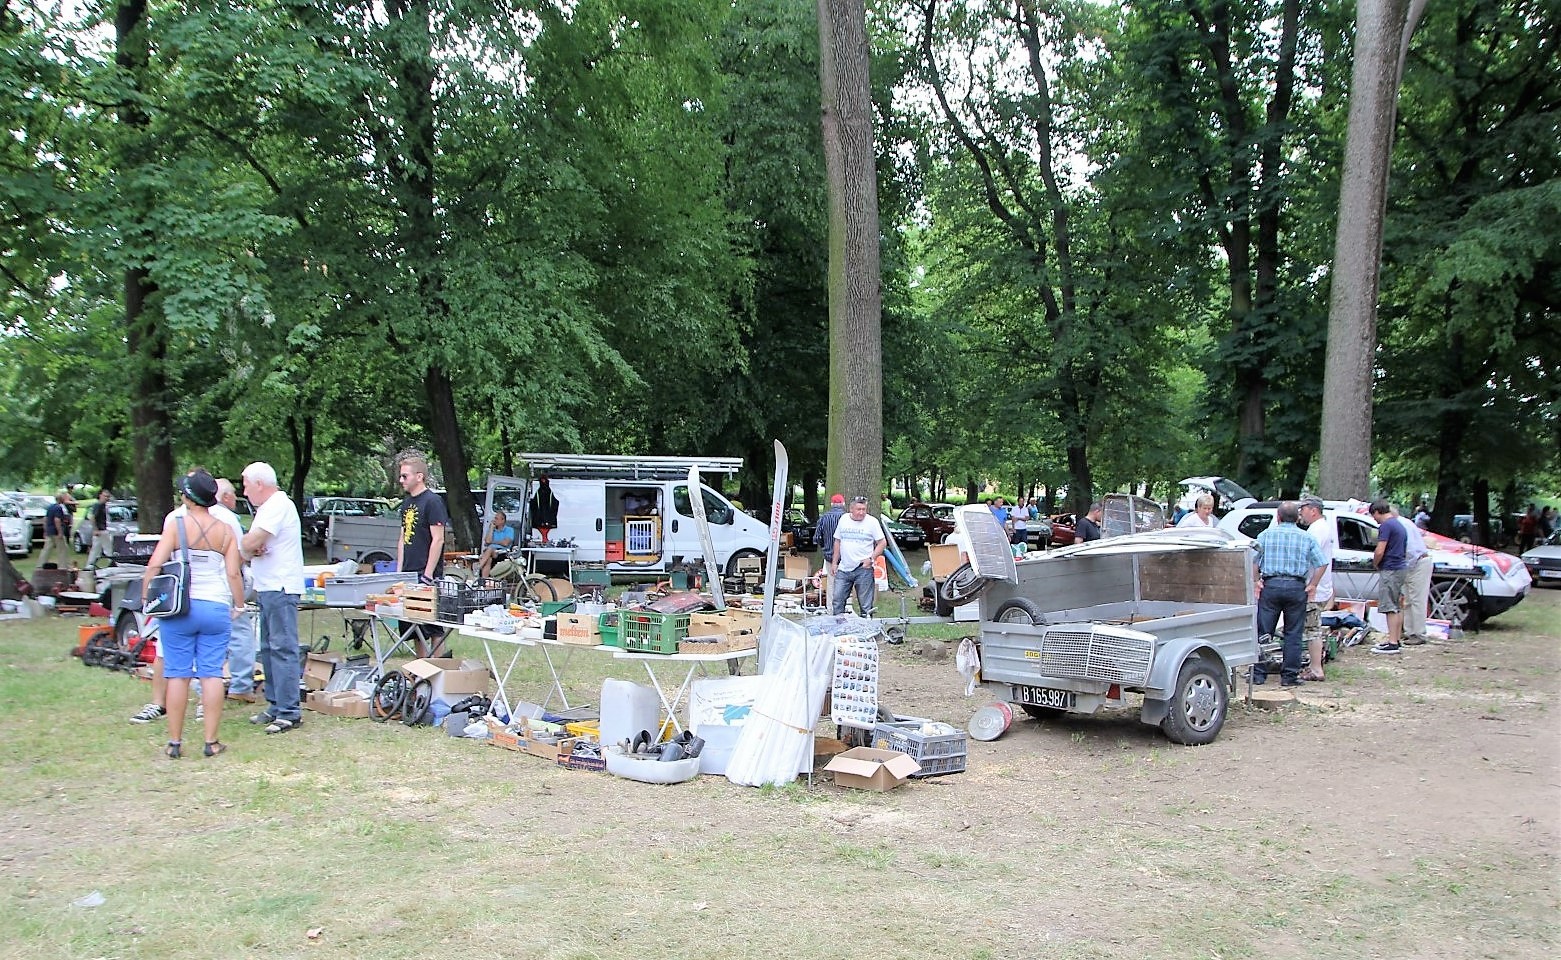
457 599
646 631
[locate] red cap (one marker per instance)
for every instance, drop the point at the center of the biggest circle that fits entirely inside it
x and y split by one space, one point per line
838 498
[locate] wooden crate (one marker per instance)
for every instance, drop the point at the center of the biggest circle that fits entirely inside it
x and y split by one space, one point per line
420 605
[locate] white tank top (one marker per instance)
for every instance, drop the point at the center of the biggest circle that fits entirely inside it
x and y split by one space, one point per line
209 577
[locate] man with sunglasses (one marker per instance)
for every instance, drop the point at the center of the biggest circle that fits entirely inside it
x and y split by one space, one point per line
420 547
859 542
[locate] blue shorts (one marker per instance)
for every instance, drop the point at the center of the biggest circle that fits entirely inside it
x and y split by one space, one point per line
196 644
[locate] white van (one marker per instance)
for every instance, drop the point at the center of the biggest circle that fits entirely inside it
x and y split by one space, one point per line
632 513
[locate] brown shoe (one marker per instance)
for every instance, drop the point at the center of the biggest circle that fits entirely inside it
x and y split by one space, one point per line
243 698
1413 641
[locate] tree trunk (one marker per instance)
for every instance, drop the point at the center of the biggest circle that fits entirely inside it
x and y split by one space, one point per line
1382 28
855 301
303 455
145 338
448 447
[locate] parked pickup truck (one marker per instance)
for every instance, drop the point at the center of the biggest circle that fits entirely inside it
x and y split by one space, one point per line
1167 615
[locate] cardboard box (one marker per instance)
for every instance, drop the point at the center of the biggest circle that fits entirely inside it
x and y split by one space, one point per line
945 559
339 703
504 738
583 629
319 667
864 768
727 623
452 679
797 568
550 750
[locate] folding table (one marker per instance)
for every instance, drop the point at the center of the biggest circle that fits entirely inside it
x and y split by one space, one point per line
695 661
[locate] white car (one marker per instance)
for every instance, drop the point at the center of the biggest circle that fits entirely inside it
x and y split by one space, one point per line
121 519
1470 584
1228 494
1544 562
16 529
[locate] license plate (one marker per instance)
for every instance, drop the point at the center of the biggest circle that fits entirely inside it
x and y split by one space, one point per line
1046 697
1551 574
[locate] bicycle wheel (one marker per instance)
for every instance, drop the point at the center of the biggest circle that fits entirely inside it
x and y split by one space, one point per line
390 696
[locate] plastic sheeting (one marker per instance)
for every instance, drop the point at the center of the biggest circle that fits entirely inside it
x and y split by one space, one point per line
777 739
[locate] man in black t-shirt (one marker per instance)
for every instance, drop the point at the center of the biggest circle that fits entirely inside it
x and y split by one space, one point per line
1088 527
424 520
420 548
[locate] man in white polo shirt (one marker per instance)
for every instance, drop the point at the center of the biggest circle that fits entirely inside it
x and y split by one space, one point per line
274 548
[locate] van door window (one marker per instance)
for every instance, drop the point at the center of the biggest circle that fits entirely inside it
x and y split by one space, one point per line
717 511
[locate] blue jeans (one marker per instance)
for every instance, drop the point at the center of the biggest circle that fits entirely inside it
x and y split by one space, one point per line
241 655
863 581
279 653
1282 598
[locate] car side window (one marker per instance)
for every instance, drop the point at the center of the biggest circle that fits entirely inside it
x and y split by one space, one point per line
1354 535
1255 524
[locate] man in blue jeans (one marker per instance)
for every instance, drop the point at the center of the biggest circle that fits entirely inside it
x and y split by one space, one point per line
1289 564
859 542
274 548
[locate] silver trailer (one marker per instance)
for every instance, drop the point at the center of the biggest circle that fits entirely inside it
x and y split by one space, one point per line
1166 615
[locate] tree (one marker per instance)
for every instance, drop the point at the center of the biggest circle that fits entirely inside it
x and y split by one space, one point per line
855 296
1382 31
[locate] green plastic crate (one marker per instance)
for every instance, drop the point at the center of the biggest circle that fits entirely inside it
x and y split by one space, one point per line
645 631
550 608
607 624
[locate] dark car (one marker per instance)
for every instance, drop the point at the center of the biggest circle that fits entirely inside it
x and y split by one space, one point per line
907 536
316 518
796 523
936 520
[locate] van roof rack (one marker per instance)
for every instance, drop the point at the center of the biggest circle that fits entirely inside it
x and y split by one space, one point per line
627 468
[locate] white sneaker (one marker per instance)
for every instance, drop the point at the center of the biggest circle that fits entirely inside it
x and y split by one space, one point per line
149 713
200 711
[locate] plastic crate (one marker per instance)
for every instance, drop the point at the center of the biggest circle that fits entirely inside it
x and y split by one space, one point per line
905 735
937 766
607 624
457 599
645 631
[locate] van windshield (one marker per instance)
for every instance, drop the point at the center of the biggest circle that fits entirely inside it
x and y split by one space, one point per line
717 511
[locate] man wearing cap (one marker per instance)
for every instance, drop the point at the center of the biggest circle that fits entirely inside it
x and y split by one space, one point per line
274 547
859 542
824 533
1289 565
56 531
1322 529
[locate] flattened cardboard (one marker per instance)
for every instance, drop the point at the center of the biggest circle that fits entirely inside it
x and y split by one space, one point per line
319 667
797 568
945 559
865 768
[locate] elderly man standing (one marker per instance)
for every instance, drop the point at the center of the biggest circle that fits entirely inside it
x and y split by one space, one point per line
274 547
241 640
1418 567
1321 528
1289 564
859 542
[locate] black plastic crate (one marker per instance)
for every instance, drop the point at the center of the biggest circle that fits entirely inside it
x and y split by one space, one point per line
457 599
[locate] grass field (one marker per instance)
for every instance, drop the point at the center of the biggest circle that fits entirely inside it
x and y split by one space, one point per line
1408 808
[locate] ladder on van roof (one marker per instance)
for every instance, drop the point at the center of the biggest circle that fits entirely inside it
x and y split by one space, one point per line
580 465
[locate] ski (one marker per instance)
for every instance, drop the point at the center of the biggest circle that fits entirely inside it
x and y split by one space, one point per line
779 497
696 499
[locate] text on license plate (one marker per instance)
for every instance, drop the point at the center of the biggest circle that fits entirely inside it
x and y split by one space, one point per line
1550 574
1045 697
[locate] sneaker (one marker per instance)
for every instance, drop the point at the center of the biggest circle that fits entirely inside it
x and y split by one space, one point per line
1387 648
149 713
281 726
200 711
1414 641
261 719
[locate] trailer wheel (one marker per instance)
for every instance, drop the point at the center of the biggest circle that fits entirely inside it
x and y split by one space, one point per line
1019 610
1456 602
962 586
1198 704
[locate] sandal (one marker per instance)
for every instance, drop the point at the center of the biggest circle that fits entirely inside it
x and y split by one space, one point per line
214 748
173 750
1313 678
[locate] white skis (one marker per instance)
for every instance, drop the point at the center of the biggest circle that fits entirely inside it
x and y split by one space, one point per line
696 499
779 497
